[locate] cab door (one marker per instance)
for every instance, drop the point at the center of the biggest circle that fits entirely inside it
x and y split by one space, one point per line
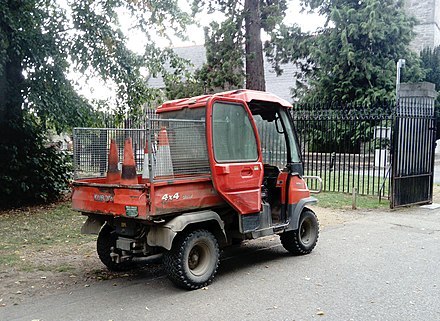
234 153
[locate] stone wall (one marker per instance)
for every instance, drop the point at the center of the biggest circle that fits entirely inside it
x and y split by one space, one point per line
427 13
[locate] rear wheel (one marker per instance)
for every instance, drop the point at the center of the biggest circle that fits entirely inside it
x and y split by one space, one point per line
193 260
106 241
303 240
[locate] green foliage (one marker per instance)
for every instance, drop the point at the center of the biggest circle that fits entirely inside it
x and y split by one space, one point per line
33 171
41 42
352 59
431 62
224 54
177 87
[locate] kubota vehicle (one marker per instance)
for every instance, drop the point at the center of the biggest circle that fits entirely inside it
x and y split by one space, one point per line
210 171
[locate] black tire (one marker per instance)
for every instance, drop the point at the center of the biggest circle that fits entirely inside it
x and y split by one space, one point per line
303 240
193 260
106 240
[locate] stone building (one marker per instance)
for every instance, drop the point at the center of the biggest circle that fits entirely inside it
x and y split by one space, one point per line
427 13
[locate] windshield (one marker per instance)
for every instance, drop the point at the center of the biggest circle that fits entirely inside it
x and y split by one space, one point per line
290 136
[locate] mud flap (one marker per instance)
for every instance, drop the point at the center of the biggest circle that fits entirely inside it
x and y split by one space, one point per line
294 211
163 235
91 226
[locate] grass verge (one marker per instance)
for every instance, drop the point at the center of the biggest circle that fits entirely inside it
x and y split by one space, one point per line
340 200
54 228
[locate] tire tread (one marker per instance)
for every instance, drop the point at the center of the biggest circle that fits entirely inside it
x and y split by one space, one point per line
174 265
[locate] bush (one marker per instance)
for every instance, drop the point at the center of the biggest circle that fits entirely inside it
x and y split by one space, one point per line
31 171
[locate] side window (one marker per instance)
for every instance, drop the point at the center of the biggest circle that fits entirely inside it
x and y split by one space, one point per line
233 136
273 143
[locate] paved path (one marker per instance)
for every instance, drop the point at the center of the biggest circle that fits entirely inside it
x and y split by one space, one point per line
382 266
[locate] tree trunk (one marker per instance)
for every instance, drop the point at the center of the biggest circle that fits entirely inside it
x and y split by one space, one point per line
12 86
254 47
3 96
11 81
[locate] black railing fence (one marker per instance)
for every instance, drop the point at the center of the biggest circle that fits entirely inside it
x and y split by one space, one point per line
347 145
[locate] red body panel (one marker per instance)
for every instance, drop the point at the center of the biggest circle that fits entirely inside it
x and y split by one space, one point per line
297 188
238 183
155 199
281 183
90 196
183 196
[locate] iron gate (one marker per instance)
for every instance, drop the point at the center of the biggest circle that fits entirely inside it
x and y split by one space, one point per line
413 146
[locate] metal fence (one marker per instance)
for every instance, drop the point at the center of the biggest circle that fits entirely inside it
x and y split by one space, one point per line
348 146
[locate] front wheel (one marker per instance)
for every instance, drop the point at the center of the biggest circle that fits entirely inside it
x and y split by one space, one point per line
193 260
303 240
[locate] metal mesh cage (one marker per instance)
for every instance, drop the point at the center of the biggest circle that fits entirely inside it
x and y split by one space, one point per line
176 148
186 152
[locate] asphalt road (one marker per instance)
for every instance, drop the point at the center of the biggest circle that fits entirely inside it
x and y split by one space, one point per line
382 266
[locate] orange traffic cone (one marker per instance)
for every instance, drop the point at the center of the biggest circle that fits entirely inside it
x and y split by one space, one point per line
113 173
164 165
145 168
128 175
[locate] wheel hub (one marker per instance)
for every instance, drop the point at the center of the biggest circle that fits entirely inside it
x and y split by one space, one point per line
305 232
198 259
193 259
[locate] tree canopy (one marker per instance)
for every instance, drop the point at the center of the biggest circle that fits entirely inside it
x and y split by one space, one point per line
353 58
41 42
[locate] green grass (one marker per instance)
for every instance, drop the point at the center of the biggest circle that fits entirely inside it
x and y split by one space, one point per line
339 201
35 229
343 183
8 259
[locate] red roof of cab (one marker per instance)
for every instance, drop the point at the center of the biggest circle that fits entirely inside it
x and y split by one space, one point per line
243 94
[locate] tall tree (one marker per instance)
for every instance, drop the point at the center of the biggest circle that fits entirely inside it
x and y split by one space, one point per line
353 58
40 42
254 47
241 33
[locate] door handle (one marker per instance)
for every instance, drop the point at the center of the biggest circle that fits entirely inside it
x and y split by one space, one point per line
247 171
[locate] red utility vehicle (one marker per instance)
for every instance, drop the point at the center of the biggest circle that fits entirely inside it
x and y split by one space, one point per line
210 171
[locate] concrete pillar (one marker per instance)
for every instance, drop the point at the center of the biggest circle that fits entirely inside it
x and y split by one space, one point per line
416 99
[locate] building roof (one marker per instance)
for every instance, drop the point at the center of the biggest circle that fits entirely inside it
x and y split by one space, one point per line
278 85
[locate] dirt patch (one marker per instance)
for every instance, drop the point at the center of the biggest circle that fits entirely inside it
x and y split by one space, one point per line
331 217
